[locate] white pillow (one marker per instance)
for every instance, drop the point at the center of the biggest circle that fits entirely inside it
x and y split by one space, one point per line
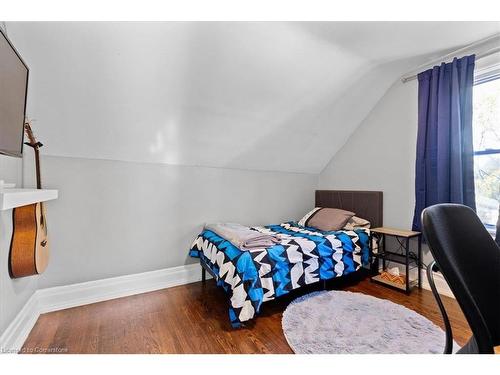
356 223
302 222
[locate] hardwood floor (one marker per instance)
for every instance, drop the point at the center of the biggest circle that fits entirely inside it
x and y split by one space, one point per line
193 319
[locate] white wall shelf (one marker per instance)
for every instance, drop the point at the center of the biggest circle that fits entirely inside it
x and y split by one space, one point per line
12 198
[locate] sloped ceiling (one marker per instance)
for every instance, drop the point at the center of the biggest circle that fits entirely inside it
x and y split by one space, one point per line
265 96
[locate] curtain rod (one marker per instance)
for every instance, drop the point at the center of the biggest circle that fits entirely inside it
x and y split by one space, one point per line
412 76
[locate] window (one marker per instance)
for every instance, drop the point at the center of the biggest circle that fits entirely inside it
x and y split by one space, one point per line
486 128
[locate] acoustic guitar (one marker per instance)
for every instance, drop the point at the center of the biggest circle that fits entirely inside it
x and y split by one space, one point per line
29 248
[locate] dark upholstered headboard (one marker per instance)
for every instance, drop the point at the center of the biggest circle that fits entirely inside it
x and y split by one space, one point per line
366 204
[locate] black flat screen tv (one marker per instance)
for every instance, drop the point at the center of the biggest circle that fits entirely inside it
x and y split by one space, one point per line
13 91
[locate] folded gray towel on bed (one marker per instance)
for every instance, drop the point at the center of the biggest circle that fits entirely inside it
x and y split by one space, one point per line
243 237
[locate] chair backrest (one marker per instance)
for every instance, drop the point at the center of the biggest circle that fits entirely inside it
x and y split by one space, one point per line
469 260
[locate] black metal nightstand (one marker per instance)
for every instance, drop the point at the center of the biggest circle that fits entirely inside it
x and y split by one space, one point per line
401 255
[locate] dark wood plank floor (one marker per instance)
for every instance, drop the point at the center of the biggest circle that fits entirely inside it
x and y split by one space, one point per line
193 319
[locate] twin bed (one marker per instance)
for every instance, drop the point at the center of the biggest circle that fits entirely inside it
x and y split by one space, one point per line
304 256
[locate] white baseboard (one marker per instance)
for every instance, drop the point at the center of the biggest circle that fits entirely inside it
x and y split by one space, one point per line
63 297
18 330
441 284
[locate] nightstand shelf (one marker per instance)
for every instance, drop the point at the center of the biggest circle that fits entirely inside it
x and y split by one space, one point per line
390 256
402 255
380 280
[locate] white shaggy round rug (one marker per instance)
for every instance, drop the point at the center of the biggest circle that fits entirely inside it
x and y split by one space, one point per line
344 322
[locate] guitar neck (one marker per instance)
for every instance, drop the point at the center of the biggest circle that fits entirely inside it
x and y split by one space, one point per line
37 166
36 148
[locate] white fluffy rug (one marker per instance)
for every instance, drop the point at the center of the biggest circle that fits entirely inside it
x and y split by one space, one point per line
345 322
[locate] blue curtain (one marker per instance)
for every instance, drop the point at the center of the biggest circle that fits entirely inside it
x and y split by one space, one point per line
445 156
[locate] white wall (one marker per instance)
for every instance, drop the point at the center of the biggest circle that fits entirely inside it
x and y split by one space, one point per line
13 293
11 169
380 155
116 218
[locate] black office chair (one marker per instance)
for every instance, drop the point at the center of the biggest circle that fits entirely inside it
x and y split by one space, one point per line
469 260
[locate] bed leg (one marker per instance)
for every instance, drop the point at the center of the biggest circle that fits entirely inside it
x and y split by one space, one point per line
203 274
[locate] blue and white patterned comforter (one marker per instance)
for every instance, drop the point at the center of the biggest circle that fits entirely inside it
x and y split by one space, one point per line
304 256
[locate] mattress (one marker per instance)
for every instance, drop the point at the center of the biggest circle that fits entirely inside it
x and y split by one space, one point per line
304 256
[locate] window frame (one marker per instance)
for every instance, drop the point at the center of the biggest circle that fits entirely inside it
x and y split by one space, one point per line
487 151
487 75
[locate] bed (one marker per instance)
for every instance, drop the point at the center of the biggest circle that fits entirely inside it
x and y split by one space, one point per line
305 255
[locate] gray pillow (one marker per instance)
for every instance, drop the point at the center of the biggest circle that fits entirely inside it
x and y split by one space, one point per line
328 219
